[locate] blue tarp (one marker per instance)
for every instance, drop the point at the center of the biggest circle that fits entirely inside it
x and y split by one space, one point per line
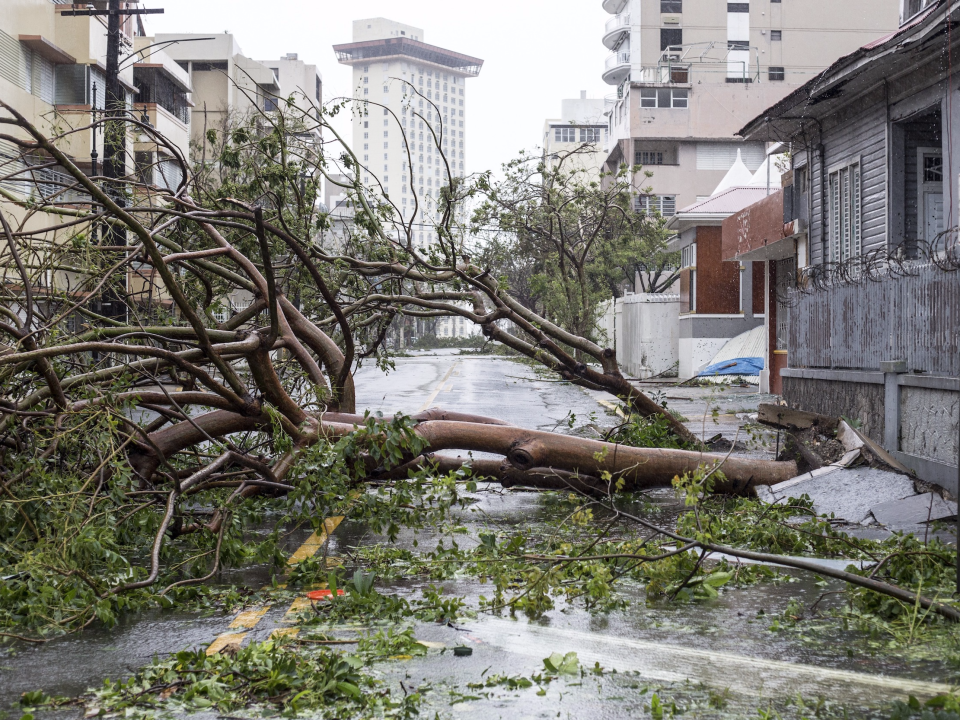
735 366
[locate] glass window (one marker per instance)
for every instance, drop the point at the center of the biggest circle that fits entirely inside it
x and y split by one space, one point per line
670 37
565 134
645 157
671 6
679 98
590 135
776 35
777 74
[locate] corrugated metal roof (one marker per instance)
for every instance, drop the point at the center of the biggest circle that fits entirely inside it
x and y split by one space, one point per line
727 202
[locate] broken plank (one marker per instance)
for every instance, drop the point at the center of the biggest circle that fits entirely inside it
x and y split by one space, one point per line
781 416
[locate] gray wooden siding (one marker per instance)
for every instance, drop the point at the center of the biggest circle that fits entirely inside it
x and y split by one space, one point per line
851 136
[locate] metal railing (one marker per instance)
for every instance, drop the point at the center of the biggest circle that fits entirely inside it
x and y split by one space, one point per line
911 315
617 59
617 22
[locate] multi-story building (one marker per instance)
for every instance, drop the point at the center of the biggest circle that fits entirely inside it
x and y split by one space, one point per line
689 73
53 72
228 85
409 125
580 134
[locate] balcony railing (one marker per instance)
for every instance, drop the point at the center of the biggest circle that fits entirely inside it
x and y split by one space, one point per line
620 21
617 59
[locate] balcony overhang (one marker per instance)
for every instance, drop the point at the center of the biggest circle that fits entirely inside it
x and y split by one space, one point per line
43 47
758 232
165 71
613 38
403 48
614 6
617 74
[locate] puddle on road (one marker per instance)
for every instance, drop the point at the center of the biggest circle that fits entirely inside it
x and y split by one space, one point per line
694 652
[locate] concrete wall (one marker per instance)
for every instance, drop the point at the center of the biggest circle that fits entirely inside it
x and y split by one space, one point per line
915 417
649 342
929 423
858 401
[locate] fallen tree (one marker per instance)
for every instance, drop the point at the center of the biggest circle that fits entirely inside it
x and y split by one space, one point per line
151 389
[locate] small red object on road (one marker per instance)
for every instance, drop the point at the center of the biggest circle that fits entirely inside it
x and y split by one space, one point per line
322 594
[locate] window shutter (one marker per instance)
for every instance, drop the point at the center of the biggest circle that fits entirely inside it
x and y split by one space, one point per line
835 215
855 215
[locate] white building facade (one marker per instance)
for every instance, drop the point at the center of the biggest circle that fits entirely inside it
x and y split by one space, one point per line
409 127
581 129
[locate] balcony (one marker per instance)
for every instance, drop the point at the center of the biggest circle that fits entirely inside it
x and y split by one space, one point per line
617 28
617 68
614 6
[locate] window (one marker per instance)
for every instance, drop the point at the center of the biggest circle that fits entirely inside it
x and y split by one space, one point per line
565 134
776 35
671 6
590 135
845 213
663 98
648 158
688 256
366 80
932 168
912 7
738 44
777 74
738 7
665 205
670 37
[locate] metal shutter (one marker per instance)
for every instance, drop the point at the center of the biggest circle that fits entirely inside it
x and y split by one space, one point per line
722 156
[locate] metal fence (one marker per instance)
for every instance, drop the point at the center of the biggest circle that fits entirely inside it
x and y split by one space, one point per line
913 317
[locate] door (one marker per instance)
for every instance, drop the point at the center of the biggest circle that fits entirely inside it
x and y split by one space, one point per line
930 192
932 216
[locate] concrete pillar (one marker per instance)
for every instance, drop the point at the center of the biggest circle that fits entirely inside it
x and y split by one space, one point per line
891 370
767 353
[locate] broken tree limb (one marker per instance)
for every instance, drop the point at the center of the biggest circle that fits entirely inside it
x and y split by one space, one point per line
639 467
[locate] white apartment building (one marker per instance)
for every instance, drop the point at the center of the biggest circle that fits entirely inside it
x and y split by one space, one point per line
228 85
581 127
405 87
690 73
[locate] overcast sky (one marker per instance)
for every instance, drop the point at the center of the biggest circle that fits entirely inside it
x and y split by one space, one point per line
535 52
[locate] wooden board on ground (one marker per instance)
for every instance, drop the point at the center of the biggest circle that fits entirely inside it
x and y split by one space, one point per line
781 416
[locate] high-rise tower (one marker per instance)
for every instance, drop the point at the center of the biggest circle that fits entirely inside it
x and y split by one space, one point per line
690 73
405 88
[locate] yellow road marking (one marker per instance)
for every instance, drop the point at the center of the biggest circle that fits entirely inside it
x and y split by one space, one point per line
612 406
433 395
225 639
248 619
313 543
284 632
296 607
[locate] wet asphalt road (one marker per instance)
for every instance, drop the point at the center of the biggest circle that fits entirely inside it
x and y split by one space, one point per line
753 658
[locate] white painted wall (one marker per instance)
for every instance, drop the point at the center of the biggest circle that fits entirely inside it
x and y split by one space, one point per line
695 353
647 328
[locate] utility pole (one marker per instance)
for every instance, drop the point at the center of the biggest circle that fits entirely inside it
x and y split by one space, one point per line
114 136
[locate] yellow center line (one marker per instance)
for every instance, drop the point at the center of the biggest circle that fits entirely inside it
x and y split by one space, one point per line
433 395
316 540
296 607
248 619
612 406
284 632
224 640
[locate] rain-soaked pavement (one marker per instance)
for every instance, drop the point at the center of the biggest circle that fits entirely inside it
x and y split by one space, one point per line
692 650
